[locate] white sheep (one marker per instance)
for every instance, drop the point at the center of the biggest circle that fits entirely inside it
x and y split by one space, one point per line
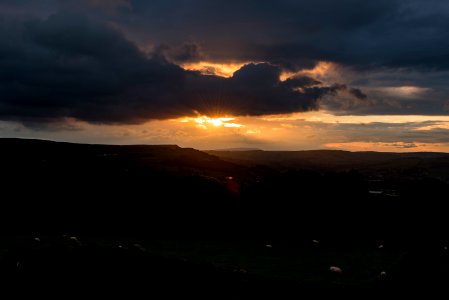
37 239
75 240
316 242
335 270
269 246
383 274
381 246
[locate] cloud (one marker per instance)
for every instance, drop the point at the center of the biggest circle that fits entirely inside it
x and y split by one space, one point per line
72 66
402 42
185 53
357 93
403 145
302 81
297 34
379 50
108 4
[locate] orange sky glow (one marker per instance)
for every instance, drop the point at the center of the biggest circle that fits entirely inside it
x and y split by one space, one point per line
299 131
296 131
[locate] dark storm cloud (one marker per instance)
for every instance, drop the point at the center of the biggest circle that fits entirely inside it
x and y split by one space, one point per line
256 89
357 93
301 81
185 53
70 66
363 34
117 61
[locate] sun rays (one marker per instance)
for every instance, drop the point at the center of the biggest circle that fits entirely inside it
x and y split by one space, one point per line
206 122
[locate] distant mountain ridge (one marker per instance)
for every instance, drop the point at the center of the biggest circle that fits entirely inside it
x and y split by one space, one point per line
416 164
248 155
167 158
320 156
237 149
219 163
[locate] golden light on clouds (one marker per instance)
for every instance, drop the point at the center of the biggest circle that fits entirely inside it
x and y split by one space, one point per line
206 122
211 68
298 131
328 118
437 125
390 146
315 130
321 69
403 91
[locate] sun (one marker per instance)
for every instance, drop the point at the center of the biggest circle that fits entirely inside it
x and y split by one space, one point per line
206 122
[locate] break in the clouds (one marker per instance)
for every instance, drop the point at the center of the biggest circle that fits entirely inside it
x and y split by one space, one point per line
121 61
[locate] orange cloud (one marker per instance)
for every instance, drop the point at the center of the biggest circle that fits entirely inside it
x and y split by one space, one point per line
390 147
322 69
211 68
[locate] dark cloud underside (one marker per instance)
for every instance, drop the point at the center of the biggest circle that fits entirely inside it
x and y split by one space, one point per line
118 61
72 66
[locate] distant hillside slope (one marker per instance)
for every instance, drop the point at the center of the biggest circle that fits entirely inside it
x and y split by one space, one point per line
418 163
218 164
169 158
59 187
170 191
236 149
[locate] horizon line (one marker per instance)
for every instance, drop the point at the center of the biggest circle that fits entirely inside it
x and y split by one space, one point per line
231 149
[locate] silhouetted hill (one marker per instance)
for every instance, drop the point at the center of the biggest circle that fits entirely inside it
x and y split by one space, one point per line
319 157
244 220
163 157
123 186
236 149
380 163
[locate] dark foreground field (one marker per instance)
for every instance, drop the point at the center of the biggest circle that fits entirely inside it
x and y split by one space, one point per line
176 222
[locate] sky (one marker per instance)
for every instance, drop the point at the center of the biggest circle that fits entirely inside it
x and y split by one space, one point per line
276 75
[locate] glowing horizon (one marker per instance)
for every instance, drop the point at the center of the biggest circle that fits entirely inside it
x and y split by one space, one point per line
298 131
206 122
